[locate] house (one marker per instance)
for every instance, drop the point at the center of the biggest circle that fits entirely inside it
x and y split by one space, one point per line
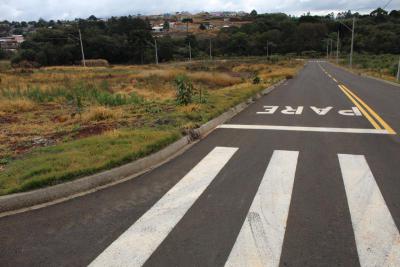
11 43
208 25
157 29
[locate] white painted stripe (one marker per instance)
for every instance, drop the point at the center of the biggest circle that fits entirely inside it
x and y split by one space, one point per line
260 240
302 129
137 244
377 238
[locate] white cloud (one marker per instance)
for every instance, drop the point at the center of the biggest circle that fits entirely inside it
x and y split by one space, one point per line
70 9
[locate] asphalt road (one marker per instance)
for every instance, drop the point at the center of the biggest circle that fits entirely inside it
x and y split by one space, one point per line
309 175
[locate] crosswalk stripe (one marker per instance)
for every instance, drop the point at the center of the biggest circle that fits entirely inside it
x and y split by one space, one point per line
137 244
260 239
376 234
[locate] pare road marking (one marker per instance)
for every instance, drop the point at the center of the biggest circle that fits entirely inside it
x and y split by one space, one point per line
289 110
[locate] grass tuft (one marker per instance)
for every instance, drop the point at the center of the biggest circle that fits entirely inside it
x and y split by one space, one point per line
16 105
101 114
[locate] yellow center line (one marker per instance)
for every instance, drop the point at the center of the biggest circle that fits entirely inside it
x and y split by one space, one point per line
361 105
369 118
371 111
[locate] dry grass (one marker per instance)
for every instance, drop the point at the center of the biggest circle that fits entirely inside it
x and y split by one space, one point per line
189 108
214 79
101 114
250 67
16 105
40 113
279 71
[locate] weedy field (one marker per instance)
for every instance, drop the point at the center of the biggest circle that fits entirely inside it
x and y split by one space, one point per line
60 123
382 66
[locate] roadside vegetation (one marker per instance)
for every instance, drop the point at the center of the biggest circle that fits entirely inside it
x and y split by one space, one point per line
60 123
129 40
382 66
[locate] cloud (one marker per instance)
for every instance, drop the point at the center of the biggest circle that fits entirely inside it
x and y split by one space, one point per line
70 9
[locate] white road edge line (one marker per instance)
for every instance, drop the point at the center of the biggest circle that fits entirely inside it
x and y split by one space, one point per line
302 129
376 234
260 239
137 243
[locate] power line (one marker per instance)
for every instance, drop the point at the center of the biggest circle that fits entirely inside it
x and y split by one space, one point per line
388 3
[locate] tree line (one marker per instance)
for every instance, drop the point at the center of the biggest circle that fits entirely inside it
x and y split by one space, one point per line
129 40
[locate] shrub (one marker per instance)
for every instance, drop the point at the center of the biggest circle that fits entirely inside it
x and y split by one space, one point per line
393 69
96 63
214 79
184 89
24 64
17 105
256 80
101 114
77 94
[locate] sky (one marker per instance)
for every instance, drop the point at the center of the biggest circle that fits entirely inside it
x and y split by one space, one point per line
18 10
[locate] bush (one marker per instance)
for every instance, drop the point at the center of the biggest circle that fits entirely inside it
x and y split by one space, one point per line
16 105
5 54
256 80
311 54
24 64
101 114
184 89
96 63
80 92
393 69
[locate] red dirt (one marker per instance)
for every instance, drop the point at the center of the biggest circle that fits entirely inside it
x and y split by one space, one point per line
93 130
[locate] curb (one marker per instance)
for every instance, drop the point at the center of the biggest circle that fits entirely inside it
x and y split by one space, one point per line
19 202
381 80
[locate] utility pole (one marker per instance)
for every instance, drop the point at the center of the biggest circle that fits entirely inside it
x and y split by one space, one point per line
155 47
83 53
327 49
267 48
352 39
190 52
337 48
398 71
210 51
352 42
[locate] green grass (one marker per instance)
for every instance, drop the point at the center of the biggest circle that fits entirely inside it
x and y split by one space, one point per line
63 162
382 66
5 65
88 92
66 161
143 123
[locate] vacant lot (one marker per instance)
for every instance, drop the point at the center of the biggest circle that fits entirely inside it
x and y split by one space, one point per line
382 66
60 123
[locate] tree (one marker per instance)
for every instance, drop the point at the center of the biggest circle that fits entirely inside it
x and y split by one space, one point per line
93 18
253 13
379 15
395 13
166 25
128 39
165 48
378 12
187 21
3 54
